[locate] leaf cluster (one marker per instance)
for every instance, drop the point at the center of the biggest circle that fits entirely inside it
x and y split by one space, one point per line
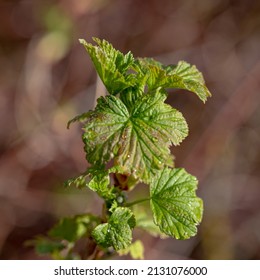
132 129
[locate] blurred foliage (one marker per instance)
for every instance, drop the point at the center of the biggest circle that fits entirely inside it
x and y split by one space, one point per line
46 79
62 239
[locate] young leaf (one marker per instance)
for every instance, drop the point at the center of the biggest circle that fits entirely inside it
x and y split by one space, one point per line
100 183
111 65
78 182
101 235
136 250
118 231
79 118
95 178
182 76
185 76
138 139
176 208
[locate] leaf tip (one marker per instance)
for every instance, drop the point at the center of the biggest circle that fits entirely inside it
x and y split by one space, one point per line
82 41
68 124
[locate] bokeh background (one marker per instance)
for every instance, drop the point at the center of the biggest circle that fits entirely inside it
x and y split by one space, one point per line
46 78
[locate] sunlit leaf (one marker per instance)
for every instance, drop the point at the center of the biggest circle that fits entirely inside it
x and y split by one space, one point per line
100 183
101 235
95 178
117 232
181 76
137 139
176 208
111 65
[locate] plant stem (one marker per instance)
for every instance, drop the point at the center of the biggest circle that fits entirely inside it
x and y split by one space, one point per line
137 201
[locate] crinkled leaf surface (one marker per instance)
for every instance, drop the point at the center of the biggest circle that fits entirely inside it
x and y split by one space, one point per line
111 65
138 138
182 76
101 235
176 208
118 231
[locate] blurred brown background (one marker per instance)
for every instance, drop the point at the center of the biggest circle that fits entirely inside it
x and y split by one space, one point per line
46 78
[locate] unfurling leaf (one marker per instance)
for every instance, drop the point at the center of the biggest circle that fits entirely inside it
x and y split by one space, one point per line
78 182
111 65
117 232
100 183
95 178
181 76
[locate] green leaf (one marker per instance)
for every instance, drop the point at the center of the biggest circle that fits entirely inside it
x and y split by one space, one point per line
138 139
79 118
136 250
182 76
153 71
176 208
72 229
111 65
78 182
44 245
113 206
100 183
95 178
118 231
186 76
101 235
